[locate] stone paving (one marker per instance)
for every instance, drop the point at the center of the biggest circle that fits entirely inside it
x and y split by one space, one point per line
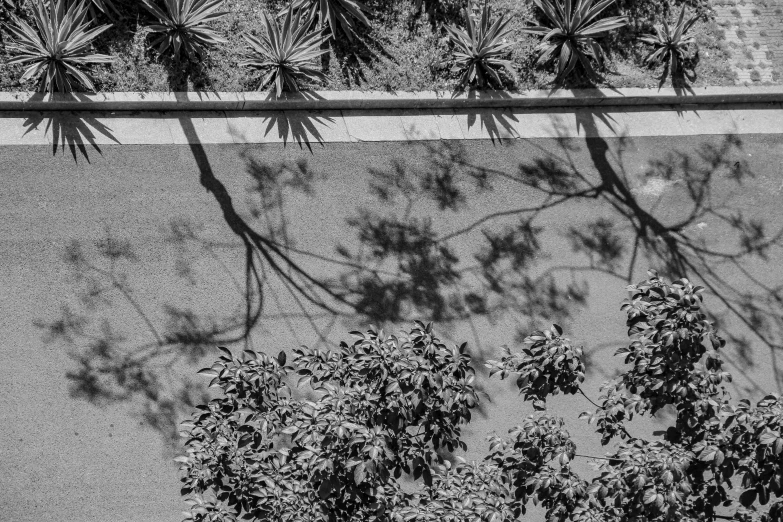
754 33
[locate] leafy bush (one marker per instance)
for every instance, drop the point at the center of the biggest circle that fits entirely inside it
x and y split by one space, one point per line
183 26
287 53
479 47
670 42
547 365
570 37
385 405
336 14
62 44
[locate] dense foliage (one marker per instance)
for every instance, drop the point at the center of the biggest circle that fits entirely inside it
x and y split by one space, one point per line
385 405
375 44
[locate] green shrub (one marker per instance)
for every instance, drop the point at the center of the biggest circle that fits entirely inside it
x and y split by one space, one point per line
569 37
182 26
670 43
287 53
479 48
63 43
133 69
385 405
335 14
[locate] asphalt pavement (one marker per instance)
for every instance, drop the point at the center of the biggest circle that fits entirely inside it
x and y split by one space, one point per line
68 459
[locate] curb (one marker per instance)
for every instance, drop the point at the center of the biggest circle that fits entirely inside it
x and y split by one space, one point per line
353 100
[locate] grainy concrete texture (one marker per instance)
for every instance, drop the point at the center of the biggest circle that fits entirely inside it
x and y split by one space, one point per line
335 126
381 101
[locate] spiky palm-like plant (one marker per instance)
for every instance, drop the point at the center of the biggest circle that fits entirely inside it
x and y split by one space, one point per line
670 41
334 14
107 7
5 8
54 52
183 26
570 37
478 48
286 53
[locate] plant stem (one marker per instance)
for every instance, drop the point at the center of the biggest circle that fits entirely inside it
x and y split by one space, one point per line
589 399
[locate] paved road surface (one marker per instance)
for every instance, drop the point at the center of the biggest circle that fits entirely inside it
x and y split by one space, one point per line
67 459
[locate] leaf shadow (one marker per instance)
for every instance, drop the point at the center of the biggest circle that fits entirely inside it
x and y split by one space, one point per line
71 129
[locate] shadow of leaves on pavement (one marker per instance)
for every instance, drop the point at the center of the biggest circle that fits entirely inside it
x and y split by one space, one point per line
424 249
302 127
71 129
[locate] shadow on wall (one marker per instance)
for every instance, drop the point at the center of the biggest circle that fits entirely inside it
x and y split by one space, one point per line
407 264
82 133
70 129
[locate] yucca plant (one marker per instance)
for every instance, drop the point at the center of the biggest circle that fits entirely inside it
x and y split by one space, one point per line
107 7
479 47
571 37
670 42
5 7
183 26
286 53
335 14
62 43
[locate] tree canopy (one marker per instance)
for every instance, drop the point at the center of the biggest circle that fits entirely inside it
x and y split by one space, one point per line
387 404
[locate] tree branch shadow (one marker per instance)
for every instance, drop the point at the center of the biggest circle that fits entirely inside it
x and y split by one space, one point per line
406 265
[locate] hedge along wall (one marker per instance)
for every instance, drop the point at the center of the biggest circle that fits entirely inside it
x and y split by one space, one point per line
152 223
